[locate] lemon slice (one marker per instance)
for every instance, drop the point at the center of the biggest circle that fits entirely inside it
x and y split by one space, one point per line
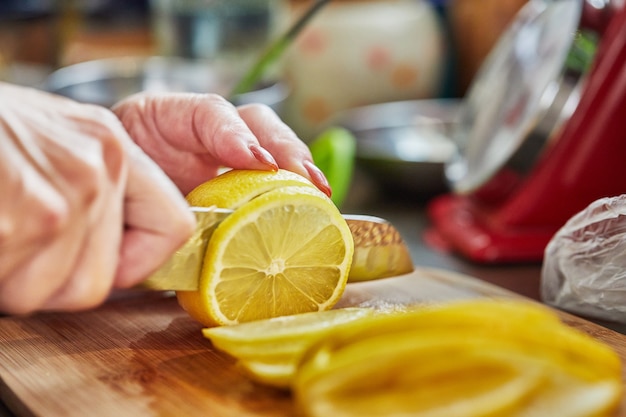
278 375
564 396
536 328
421 376
270 350
502 316
285 250
280 338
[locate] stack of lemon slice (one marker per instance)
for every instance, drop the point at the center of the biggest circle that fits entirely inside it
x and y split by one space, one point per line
270 350
466 358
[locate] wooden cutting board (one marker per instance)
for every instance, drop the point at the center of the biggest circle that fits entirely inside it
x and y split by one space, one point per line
141 355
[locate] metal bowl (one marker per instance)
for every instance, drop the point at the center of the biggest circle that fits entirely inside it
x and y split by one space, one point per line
106 81
404 145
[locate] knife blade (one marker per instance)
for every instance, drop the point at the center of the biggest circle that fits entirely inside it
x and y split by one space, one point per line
380 251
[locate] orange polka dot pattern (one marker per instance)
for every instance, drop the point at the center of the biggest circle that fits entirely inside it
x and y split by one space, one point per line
339 61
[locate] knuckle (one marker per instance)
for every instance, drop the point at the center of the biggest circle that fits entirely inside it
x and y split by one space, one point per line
34 219
114 155
260 109
106 163
90 182
54 218
227 130
212 101
216 99
112 134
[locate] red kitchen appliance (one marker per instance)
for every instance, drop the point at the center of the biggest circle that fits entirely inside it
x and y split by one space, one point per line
542 132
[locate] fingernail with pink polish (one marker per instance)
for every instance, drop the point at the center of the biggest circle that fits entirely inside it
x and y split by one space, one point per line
263 156
318 177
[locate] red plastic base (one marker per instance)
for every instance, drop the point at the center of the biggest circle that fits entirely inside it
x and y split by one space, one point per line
471 232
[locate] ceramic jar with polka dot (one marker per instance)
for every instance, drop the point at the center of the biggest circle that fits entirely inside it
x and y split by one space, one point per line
355 53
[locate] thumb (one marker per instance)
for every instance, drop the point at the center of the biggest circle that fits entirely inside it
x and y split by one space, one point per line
156 220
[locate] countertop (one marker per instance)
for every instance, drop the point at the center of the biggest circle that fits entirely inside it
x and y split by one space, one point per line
409 214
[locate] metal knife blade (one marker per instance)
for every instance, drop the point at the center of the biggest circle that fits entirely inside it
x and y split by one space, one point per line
181 272
379 251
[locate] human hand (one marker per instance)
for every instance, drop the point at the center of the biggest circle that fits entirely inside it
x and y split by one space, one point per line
83 209
191 136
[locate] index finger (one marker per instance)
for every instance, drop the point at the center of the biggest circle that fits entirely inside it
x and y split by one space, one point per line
290 152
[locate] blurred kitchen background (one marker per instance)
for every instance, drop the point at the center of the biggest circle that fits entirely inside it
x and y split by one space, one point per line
351 54
432 48
417 82
37 36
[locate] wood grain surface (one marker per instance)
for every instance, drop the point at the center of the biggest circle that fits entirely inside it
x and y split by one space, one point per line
141 355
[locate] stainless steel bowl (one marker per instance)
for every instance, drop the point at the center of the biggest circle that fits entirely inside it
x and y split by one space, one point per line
107 81
404 145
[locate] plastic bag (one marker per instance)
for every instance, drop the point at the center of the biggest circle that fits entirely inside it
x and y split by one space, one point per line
584 267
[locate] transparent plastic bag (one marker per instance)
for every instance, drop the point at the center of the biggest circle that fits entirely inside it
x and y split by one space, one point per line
584 267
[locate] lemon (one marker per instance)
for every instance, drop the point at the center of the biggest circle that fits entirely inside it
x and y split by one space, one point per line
285 250
234 188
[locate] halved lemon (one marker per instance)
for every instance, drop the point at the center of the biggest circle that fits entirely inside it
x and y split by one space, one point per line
236 187
285 250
